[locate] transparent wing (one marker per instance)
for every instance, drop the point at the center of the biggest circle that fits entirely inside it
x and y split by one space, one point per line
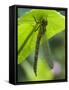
47 51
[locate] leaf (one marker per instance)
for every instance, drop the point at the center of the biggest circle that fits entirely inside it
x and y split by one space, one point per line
56 24
43 71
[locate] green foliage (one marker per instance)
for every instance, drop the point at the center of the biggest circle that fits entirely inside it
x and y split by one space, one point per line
56 24
43 71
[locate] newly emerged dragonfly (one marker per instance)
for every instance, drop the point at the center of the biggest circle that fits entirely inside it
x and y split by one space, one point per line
41 27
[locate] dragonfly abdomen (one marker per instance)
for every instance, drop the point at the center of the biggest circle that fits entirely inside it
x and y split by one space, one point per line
37 52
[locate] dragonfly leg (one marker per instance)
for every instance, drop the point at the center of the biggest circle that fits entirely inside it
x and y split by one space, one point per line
35 19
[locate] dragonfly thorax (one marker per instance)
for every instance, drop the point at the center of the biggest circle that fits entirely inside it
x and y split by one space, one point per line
44 22
43 25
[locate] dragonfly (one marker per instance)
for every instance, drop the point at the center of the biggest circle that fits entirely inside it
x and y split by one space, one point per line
41 25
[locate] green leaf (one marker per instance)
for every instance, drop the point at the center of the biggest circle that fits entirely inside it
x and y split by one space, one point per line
56 24
43 71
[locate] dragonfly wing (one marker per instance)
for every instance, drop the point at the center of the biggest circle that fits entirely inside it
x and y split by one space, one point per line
47 51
